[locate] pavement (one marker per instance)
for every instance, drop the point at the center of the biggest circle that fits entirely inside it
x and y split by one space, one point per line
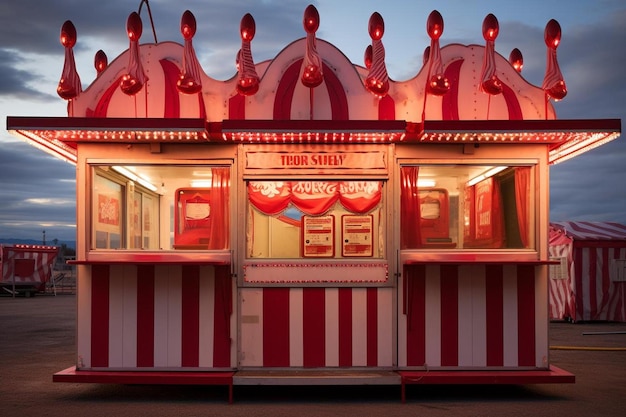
38 335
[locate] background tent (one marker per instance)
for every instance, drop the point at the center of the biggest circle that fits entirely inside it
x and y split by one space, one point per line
590 282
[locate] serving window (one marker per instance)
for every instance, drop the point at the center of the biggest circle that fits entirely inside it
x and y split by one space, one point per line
468 207
160 207
320 219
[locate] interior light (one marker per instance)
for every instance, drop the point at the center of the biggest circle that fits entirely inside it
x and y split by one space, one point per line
426 183
200 183
134 177
489 173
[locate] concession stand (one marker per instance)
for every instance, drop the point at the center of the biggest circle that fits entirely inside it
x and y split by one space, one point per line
310 220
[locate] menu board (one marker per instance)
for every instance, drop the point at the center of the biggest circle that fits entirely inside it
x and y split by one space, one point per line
357 235
318 236
484 196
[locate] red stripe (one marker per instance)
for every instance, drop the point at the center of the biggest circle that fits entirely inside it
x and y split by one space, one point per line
372 327
102 107
201 106
450 100
284 92
512 104
526 315
237 107
223 308
313 326
345 327
415 276
606 283
287 86
145 315
593 282
336 94
578 283
449 315
100 315
386 108
190 326
275 327
172 100
494 309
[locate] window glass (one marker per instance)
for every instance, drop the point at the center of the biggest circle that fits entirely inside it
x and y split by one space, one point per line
160 207
315 219
466 207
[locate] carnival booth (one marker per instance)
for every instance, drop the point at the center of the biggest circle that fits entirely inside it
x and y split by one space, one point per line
311 220
589 282
26 269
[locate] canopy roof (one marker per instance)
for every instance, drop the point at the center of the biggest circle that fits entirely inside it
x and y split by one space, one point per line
311 93
582 230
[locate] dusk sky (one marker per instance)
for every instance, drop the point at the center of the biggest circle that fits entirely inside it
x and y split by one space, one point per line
38 192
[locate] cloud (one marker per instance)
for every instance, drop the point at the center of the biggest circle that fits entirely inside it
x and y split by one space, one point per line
16 82
25 174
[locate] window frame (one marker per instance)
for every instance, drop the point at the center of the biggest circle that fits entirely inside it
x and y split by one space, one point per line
477 254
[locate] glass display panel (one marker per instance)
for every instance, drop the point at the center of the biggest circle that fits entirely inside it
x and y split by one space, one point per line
467 207
156 207
315 219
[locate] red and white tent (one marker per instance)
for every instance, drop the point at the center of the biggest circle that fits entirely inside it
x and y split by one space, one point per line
27 267
590 283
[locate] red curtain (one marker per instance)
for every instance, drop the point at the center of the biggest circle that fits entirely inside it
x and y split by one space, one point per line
498 217
522 191
220 226
486 228
410 213
314 197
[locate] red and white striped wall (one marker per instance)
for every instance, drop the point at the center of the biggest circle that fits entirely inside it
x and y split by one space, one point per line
317 327
562 295
473 316
597 297
155 316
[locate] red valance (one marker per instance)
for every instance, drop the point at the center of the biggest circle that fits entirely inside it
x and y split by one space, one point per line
314 197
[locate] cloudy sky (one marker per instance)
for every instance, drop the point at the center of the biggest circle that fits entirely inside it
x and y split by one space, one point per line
37 192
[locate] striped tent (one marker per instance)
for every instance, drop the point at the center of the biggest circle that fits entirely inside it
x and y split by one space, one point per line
590 282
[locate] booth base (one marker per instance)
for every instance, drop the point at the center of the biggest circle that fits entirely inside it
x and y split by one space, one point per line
316 377
147 378
553 375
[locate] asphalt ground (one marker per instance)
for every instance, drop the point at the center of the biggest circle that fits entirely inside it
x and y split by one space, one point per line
37 339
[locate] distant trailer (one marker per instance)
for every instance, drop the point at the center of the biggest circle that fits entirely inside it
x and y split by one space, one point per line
26 268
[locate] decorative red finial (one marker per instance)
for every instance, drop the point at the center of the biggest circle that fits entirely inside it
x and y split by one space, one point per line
69 84
100 61
248 82
68 34
376 26
434 25
189 81
426 55
516 59
188 25
132 82
247 27
438 84
311 20
368 56
552 34
490 83
378 80
312 74
491 28
134 27
553 83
